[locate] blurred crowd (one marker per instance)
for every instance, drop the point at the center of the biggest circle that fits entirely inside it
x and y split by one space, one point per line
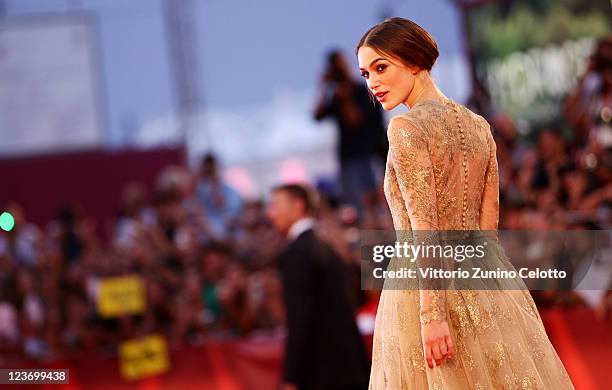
207 256
563 179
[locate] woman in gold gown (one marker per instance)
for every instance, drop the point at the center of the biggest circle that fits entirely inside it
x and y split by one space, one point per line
442 175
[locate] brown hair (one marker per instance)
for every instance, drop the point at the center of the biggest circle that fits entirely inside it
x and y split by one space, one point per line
403 39
302 193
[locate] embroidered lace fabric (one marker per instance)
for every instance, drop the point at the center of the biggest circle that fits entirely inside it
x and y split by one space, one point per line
442 174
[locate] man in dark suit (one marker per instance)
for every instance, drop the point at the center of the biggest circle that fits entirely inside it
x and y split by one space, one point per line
324 349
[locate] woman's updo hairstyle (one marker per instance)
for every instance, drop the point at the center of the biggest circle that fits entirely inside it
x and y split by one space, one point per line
403 39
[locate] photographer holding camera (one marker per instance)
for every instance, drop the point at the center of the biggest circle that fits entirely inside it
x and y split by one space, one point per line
362 141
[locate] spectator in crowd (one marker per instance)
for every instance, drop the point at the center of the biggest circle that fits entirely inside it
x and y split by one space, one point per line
72 234
588 108
221 203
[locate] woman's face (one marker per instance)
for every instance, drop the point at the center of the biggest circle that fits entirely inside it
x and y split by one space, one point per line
389 80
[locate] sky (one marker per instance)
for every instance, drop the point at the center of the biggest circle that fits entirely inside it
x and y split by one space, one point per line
247 50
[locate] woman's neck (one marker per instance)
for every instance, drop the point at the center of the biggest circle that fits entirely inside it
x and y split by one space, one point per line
424 89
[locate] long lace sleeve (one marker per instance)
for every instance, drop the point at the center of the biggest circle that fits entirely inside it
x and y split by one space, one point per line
410 156
489 206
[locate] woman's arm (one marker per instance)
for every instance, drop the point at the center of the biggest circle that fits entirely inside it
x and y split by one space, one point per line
489 206
409 152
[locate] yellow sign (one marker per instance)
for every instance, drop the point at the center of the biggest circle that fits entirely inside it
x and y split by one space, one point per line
121 295
143 357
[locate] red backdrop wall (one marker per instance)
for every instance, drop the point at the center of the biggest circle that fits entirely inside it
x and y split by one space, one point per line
42 184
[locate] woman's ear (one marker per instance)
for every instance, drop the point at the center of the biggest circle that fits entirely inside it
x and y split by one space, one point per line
414 70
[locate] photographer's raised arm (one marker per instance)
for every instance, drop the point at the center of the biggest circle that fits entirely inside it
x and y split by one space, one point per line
323 107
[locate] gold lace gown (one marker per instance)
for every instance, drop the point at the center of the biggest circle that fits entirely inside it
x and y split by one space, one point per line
442 174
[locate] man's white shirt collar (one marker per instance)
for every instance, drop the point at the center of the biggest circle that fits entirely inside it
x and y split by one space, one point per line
299 227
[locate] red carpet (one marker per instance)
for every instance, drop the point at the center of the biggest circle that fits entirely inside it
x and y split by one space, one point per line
583 342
